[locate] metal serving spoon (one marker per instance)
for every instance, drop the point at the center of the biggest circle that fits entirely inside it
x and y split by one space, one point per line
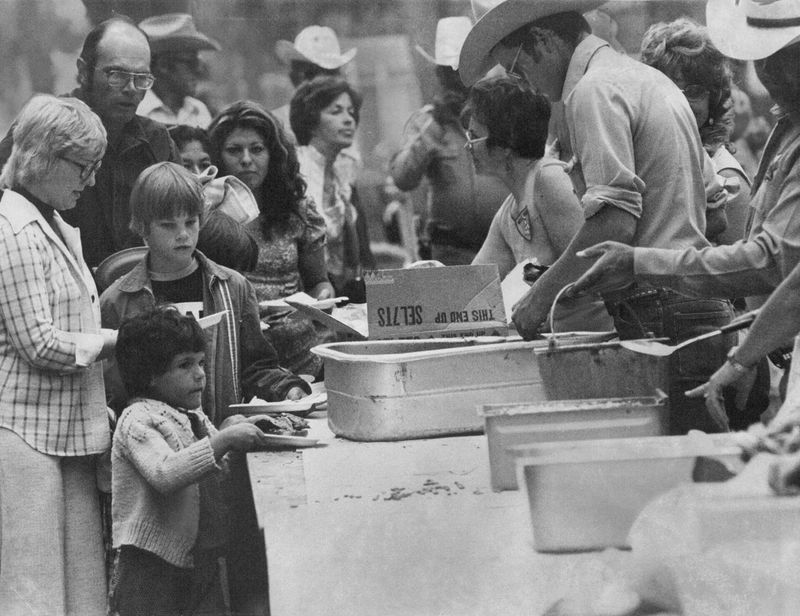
659 349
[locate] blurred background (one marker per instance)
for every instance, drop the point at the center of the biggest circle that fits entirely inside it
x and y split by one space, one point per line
41 39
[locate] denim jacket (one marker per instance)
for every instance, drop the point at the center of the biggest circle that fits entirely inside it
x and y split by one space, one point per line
240 361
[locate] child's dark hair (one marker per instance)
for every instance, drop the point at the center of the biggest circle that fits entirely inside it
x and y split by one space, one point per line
147 343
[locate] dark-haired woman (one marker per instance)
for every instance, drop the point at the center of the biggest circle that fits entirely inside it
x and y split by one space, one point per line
683 51
324 115
506 137
248 142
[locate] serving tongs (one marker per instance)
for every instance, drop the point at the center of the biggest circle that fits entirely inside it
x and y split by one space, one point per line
659 349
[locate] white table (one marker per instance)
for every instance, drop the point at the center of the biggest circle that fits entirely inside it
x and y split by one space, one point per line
400 528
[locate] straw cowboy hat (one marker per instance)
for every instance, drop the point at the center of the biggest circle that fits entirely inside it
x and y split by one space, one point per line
753 29
500 21
450 35
175 32
315 44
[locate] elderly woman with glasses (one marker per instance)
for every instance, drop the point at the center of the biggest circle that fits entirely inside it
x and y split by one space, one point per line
683 51
506 137
324 114
53 421
249 143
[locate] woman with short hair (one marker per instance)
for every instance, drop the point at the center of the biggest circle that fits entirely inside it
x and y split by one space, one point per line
53 421
506 137
324 114
683 51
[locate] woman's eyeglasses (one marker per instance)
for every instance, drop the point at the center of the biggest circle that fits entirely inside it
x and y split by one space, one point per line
87 169
471 141
119 79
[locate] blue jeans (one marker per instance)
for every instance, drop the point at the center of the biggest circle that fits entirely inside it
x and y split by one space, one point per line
663 313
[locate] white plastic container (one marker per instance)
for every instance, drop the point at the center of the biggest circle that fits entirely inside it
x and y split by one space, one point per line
585 495
565 420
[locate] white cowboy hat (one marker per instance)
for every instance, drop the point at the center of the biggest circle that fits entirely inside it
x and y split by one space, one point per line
315 44
752 29
502 20
176 32
450 35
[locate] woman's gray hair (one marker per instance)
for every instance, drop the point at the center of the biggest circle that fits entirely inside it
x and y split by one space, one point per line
47 128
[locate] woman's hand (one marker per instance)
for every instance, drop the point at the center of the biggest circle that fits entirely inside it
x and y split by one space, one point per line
322 290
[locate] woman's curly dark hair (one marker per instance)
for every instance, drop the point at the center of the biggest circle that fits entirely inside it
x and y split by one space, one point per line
515 117
312 97
682 49
284 188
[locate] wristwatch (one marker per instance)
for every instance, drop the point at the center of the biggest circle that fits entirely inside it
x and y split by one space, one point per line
736 364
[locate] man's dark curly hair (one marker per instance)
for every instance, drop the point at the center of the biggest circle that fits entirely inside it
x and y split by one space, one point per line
148 342
312 97
283 188
515 116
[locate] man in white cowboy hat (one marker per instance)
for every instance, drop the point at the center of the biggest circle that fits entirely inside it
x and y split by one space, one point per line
769 34
461 203
638 169
315 51
175 44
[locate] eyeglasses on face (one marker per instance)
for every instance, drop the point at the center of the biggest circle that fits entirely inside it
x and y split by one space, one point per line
87 169
695 92
119 79
471 141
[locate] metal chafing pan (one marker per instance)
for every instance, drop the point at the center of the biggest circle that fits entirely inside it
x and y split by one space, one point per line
396 390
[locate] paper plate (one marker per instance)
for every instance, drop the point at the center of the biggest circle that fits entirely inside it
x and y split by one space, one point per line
313 402
279 440
211 319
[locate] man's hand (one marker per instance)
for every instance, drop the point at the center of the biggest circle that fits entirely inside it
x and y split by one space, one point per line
612 271
529 314
712 391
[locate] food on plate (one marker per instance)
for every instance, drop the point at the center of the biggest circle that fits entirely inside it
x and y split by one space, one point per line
284 424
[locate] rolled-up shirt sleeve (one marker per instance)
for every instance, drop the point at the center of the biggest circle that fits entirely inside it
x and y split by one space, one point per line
749 267
600 114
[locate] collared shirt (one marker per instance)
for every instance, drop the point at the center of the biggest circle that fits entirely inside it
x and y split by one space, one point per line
747 268
636 144
461 202
193 112
334 203
52 394
103 213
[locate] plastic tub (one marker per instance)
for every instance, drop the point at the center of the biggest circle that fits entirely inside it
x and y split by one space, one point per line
565 420
585 495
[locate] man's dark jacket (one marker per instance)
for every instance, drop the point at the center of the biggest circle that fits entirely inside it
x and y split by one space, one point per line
103 211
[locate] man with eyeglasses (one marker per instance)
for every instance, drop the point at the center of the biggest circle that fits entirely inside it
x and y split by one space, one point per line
638 169
175 43
113 76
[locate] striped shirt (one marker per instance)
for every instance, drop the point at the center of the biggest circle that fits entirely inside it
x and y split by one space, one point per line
51 388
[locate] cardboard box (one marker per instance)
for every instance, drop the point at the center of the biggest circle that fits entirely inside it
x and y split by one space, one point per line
460 300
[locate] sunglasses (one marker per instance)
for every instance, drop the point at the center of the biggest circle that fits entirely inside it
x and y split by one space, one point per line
469 146
87 169
119 79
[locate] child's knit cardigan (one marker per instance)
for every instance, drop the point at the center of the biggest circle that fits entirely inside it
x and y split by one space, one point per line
156 464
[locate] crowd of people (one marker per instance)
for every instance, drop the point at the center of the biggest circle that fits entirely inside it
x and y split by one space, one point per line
123 487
